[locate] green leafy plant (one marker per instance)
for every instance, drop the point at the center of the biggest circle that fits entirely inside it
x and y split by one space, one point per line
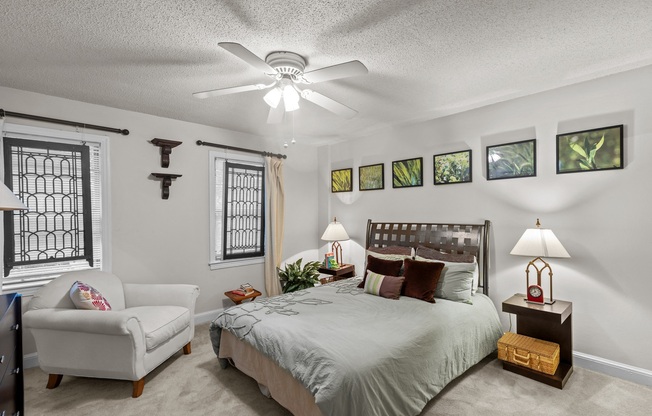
586 150
511 160
590 150
341 180
371 177
294 277
407 173
452 168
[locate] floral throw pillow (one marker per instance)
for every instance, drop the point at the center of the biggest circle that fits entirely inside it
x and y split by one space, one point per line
86 297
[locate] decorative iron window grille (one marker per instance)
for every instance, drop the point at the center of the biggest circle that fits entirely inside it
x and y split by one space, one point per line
53 180
244 211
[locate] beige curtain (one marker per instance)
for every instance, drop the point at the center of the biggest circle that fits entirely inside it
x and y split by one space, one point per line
274 238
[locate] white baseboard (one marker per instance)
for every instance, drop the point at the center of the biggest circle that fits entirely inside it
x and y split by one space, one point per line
202 318
30 360
613 368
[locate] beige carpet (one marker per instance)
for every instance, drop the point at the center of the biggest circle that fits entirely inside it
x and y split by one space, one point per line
195 385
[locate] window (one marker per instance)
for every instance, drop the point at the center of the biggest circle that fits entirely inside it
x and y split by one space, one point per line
60 177
237 210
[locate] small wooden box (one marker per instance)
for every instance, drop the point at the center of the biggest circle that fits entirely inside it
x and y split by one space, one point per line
529 352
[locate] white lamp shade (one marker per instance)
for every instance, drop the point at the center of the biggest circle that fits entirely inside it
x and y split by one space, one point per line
9 201
539 242
273 97
335 232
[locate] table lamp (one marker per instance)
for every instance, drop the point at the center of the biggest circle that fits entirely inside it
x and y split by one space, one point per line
335 232
539 242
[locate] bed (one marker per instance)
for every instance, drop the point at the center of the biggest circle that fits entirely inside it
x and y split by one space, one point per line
337 350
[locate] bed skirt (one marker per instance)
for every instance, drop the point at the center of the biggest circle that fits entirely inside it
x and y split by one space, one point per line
284 388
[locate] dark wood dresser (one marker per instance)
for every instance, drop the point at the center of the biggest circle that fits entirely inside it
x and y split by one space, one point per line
11 356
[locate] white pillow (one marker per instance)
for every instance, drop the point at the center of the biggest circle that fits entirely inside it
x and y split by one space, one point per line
456 280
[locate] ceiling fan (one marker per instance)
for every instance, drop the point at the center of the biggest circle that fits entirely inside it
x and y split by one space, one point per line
287 72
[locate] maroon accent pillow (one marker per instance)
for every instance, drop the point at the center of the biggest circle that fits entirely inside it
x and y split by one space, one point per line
380 266
421 279
434 254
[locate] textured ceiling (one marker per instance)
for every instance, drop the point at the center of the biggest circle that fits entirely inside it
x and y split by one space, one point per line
426 59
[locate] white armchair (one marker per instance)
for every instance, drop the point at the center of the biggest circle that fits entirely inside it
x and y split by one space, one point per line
146 325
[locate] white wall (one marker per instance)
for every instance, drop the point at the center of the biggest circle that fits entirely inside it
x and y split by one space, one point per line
166 241
602 218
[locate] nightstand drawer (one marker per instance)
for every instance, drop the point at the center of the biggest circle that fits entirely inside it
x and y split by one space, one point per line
9 384
11 356
8 335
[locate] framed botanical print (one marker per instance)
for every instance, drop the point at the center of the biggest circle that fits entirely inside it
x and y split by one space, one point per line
407 173
512 160
590 150
454 167
342 180
371 177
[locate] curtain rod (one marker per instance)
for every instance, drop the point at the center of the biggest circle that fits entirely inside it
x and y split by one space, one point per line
241 149
3 113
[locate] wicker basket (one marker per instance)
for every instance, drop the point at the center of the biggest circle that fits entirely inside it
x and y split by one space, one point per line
529 352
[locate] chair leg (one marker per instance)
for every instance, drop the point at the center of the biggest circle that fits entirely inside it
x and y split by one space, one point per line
139 385
187 349
54 380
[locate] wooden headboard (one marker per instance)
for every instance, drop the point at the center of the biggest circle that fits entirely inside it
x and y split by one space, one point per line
448 238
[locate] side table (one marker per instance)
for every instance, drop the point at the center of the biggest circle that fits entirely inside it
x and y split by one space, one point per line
237 299
343 272
549 323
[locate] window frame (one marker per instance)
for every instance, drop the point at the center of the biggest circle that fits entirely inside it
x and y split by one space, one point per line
83 180
19 131
213 156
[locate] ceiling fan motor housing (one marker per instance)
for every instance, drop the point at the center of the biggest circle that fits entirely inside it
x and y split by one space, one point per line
287 63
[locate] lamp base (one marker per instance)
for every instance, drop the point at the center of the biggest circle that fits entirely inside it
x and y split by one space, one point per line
337 249
545 302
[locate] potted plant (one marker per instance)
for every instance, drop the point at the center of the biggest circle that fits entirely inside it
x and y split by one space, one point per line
294 277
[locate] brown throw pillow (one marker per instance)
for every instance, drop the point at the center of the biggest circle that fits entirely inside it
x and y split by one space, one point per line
421 279
380 266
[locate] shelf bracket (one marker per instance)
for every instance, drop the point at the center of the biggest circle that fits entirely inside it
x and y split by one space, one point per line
166 149
166 182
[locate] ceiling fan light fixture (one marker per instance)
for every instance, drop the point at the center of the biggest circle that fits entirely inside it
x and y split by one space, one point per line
290 105
290 98
286 69
273 97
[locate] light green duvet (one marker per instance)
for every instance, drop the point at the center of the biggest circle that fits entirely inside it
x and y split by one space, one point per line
360 354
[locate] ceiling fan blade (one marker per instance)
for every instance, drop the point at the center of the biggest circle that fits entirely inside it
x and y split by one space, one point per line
276 114
247 56
230 90
328 103
346 69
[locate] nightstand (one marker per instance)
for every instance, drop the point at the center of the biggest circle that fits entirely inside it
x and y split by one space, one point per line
549 323
344 272
237 299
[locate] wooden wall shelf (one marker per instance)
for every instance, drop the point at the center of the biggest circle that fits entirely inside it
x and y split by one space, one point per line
167 182
166 149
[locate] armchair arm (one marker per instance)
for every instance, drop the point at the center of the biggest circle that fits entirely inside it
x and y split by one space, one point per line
137 294
78 320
